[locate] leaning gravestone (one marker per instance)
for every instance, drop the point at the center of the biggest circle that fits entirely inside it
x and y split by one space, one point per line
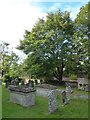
64 98
52 104
68 93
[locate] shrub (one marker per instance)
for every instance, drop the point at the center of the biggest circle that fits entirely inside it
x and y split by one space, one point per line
73 77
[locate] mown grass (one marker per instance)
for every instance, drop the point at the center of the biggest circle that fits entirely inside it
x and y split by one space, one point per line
78 108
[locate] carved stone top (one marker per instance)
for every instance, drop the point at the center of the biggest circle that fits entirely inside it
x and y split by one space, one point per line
23 89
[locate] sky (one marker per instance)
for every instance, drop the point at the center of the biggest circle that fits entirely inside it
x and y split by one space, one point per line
16 16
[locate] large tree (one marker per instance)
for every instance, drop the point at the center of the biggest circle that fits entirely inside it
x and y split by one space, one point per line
48 45
81 41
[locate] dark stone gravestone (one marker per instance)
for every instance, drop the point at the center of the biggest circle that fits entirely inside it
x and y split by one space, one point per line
13 82
41 81
36 82
32 83
64 98
17 81
22 82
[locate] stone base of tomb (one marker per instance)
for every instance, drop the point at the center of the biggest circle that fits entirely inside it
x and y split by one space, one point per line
24 97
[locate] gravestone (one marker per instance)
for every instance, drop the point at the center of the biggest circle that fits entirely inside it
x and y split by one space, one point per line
17 81
22 82
13 82
36 82
52 104
41 81
64 98
32 83
68 93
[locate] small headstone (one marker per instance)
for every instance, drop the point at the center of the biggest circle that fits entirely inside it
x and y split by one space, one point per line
17 81
36 82
22 82
68 93
28 84
52 104
41 81
32 83
64 98
13 82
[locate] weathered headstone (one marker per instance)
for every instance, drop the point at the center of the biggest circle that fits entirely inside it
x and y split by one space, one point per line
52 104
41 81
17 81
13 82
68 93
22 82
32 83
36 82
64 98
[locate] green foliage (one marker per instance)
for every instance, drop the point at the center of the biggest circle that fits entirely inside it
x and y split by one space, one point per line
48 45
57 45
8 64
73 77
81 39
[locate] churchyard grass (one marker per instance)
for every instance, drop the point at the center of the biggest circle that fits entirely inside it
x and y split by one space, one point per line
78 108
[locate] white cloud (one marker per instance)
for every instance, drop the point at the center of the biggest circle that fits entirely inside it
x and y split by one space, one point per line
73 11
15 17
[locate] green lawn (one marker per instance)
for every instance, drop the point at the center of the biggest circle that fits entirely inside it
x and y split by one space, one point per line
78 108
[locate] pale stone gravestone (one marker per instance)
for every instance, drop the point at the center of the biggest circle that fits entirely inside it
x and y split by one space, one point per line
68 93
52 104
64 98
22 95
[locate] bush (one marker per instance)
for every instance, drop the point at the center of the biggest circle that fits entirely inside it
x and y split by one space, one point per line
73 77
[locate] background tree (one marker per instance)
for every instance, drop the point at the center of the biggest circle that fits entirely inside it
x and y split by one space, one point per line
8 62
48 45
81 39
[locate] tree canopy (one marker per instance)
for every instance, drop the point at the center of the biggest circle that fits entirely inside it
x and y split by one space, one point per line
57 46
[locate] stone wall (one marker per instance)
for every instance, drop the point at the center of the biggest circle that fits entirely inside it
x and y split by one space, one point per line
83 84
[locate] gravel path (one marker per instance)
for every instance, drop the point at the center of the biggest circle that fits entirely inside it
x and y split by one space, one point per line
82 96
44 92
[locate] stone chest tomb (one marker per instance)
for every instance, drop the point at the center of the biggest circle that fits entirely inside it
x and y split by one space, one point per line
22 95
